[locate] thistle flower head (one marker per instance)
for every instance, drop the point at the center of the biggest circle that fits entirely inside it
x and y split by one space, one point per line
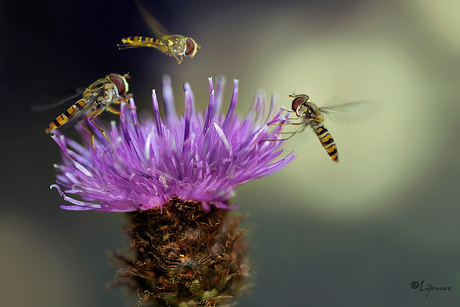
199 156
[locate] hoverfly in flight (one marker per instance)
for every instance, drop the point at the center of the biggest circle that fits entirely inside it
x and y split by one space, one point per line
97 98
309 114
172 45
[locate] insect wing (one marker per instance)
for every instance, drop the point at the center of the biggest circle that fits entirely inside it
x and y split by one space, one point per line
52 100
79 114
158 30
352 112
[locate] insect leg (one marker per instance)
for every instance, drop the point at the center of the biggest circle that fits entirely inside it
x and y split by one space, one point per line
172 53
126 46
178 61
95 114
160 45
86 129
115 111
299 130
287 124
125 99
112 110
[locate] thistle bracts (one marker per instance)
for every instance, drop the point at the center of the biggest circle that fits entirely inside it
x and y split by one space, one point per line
184 256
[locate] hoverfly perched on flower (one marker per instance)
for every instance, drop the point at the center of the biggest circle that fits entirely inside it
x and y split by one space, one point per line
97 98
309 114
172 45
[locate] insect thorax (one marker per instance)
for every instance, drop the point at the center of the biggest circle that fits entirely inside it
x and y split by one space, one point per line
310 113
177 44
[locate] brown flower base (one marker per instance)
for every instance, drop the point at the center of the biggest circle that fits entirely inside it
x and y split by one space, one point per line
184 256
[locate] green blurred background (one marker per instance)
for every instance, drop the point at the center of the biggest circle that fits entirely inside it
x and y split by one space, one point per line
356 233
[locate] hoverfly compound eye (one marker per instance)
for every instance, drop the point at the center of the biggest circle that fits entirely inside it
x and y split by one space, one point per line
298 101
192 47
120 83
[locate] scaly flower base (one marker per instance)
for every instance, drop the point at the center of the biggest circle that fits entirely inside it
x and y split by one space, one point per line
184 256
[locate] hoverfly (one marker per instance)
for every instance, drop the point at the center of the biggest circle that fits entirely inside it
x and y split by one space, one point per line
311 115
172 45
97 98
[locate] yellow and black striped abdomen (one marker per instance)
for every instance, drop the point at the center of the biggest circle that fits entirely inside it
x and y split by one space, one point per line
327 141
137 41
68 114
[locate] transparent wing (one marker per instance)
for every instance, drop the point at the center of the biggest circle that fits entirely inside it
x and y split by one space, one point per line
52 100
352 112
80 114
154 24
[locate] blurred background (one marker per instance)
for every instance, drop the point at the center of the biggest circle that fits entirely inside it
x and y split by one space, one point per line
356 233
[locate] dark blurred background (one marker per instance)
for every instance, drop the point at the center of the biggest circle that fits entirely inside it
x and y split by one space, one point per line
357 233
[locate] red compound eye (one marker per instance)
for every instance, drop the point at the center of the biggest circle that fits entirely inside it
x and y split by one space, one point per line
191 47
298 100
119 82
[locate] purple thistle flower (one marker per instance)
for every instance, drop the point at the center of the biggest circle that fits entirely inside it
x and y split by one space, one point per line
175 178
200 157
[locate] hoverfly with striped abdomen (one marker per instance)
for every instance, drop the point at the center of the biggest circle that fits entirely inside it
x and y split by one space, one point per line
172 45
311 115
97 98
